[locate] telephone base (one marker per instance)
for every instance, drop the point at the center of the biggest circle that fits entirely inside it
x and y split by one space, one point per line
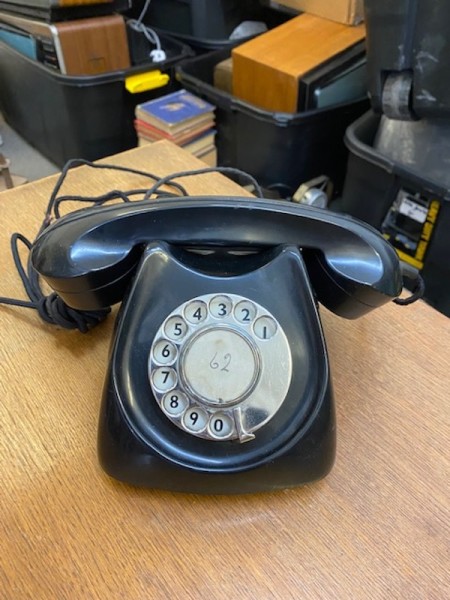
126 458
249 382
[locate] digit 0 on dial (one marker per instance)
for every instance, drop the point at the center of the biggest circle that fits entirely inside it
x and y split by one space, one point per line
220 367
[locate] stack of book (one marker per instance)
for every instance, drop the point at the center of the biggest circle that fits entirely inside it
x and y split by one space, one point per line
182 118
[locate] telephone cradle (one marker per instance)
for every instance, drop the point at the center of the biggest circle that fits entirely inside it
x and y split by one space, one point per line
218 378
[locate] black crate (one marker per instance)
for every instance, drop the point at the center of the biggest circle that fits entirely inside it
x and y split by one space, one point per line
68 117
281 150
411 209
206 25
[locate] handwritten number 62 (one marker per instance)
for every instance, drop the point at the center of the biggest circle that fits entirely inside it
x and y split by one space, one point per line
225 363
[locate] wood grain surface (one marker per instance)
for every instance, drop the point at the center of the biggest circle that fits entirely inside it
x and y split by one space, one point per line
268 68
376 528
94 45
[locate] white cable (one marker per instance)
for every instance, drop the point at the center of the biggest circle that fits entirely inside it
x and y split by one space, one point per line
158 54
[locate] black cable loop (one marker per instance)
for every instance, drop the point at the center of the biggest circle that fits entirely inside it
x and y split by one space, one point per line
231 171
417 293
52 309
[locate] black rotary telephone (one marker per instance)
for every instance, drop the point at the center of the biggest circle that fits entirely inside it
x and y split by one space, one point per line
218 379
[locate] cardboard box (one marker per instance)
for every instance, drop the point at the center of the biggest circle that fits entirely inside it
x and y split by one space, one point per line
350 12
223 76
268 69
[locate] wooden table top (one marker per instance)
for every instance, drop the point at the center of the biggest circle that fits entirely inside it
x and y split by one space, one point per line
377 527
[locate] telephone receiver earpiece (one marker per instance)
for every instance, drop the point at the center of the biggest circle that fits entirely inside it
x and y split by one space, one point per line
89 256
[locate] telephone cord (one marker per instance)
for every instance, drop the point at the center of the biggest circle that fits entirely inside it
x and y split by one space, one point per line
418 287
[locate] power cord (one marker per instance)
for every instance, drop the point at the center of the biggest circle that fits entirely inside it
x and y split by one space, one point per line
158 54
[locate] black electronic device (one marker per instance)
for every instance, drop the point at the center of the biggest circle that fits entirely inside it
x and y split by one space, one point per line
218 378
339 80
52 11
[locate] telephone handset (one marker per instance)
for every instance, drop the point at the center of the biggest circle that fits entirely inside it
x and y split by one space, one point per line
218 379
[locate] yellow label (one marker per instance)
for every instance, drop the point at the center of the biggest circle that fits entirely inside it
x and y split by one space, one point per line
417 260
146 81
409 259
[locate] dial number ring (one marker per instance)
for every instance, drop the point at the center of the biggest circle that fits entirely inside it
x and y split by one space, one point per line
220 367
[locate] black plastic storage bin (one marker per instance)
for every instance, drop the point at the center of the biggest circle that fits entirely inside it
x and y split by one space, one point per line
68 117
413 212
281 150
206 25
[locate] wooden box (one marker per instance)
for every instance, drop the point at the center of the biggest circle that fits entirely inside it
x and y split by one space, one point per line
267 70
349 12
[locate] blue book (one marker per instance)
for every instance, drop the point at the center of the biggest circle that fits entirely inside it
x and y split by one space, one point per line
22 42
175 111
